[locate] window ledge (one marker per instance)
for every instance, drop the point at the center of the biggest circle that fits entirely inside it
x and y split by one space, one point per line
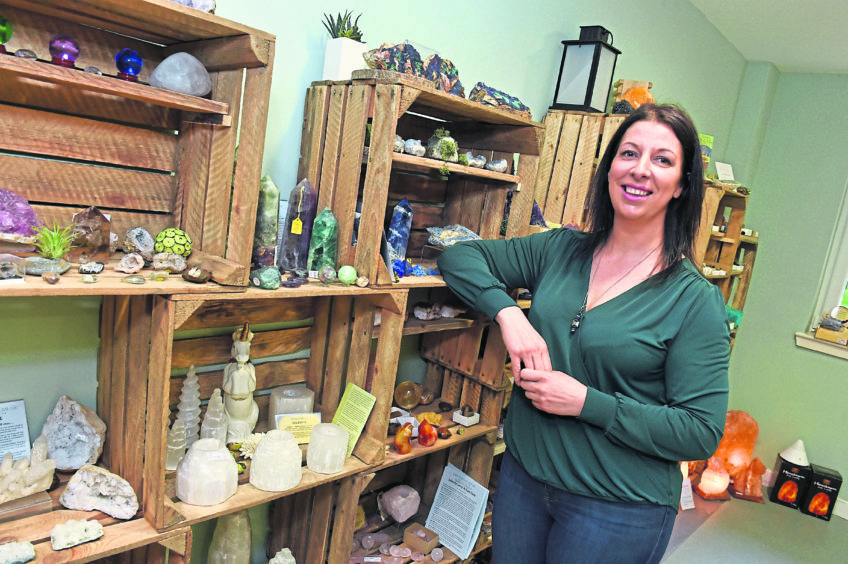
806 341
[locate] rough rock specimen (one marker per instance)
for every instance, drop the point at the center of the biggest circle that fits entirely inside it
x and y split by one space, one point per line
74 434
402 57
130 263
71 533
16 215
445 74
96 489
401 502
169 262
139 240
285 556
182 72
15 552
485 94
26 476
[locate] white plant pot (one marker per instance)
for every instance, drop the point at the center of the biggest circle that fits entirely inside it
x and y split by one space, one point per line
343 56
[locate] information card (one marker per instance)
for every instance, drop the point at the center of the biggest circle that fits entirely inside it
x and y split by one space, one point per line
14 433
353 412
458 511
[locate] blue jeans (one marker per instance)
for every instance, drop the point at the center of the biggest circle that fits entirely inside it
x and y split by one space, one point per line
534 523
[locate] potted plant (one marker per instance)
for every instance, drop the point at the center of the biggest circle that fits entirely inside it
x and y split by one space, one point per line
345 49
51 243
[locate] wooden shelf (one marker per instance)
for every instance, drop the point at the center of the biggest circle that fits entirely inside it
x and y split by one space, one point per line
118 536
248 496
17 68
746 240
414 326
423 164
473 432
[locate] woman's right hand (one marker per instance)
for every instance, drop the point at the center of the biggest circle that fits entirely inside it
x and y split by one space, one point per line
523 343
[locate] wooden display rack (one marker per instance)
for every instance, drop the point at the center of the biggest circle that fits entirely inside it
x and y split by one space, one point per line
335 160
146 344
722 206
144 156
567 161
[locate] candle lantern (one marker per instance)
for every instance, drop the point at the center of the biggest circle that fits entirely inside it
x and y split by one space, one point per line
585 74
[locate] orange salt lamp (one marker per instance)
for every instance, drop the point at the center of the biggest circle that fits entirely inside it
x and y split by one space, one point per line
748 483
638 95
714 481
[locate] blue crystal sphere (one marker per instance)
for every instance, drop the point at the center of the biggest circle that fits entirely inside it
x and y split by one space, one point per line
64 49
128 62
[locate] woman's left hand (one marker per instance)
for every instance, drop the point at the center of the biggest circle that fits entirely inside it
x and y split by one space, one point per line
554 392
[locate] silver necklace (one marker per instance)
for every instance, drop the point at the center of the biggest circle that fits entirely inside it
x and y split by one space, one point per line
575 323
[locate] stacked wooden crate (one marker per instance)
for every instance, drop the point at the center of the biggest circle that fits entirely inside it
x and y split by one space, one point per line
145 156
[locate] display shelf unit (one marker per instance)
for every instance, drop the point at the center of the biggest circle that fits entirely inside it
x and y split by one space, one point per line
336 117
151 343
717 241
143 155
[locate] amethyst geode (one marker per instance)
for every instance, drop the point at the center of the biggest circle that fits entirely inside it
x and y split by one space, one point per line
16 215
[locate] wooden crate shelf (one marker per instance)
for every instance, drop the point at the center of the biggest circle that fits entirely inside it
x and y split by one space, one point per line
149 342
573 143
136 535
145 156
334 130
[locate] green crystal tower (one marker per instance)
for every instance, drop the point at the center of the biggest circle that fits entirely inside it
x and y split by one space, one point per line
324 244
267 218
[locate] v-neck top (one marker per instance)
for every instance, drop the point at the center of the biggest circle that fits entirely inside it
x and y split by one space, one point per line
654 358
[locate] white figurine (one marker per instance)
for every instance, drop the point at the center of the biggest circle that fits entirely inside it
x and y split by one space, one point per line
239 385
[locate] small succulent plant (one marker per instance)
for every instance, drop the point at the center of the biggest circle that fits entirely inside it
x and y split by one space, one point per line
54 242
343 25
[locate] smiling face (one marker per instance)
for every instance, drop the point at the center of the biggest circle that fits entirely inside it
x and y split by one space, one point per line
645 173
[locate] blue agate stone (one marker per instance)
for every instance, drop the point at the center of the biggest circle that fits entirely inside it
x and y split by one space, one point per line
401 223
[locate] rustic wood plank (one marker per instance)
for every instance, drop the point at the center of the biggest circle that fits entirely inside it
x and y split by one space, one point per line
192 178
320 524
350 167
254 121
118 391
417 188
491 368
156 427
104 365
65 183
312 135
581 175
553 126
226 85
136 390
227 53
360 342
564 162
377 175
609 128
522 201
280 519
338 345
226 313
151 20
319 346
344 516
479 465
12 68
216 350
332 146
34 132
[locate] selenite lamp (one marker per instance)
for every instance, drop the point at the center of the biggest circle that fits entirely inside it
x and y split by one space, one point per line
585 74
5 33
128 63
64 50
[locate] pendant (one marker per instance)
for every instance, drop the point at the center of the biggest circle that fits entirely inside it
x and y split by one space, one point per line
575 323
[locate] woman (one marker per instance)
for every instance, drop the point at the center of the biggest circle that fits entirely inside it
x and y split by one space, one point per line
620 367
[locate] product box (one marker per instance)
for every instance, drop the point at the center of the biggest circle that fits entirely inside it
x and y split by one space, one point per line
791 483
839 337
822 493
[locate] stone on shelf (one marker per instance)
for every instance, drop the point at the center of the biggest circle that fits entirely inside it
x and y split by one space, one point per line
26 476
16 215
73 532
324 242
74 435
18 552
182 73
91 236
93 488
297 230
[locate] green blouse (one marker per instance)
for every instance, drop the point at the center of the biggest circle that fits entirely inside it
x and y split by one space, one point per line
654 358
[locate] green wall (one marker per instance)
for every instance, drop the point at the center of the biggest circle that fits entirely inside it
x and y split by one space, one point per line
50 345
793 393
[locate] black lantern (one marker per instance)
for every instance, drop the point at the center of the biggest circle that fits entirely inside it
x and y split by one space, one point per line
585 75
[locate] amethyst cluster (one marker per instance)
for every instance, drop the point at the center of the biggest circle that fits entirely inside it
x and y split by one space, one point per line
16 215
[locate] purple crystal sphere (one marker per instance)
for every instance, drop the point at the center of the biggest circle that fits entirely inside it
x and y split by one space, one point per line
64 49
128 62
16 215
